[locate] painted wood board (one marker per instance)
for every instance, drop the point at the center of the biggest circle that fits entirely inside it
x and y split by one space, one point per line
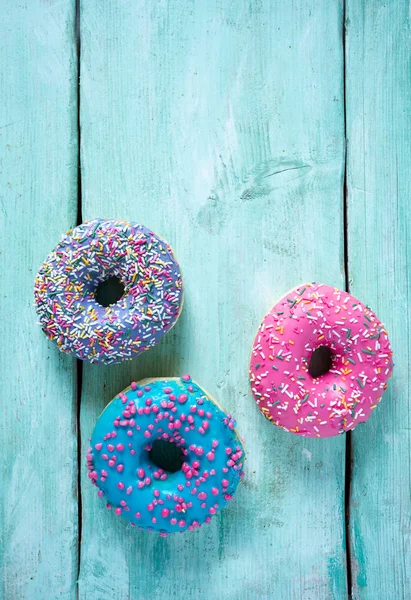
379 250
38 199
220 125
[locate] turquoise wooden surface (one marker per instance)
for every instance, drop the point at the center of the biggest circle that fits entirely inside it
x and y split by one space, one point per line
222 126
38 200
379 219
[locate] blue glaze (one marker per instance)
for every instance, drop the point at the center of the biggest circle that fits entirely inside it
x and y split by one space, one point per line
163 409
90 254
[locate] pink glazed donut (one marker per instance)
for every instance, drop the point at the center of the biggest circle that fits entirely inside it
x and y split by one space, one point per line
320 362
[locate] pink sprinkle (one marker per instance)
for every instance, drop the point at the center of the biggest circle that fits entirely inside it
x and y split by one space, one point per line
120 485
137 515
173 521
98 446
129 490
110 447
186 377
156 493
141 473
167 390
212 510
133 386
181 523
120 468
165 512
120 447
150 506
210 455
104 473
202 496
182 398
224 483
100 493
118 511
111 463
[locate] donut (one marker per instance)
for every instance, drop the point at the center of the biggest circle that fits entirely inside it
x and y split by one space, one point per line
128 458
148 300
320 362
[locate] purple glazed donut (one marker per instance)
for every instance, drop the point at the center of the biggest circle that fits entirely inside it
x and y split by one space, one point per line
96 252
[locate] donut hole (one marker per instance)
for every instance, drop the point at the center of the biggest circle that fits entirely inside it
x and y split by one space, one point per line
166 455
320 362
109 291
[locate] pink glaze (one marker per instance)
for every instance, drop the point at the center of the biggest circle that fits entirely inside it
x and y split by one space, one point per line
308 317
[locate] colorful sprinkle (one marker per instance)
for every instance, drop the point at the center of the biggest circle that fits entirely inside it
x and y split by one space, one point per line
65 291
333 402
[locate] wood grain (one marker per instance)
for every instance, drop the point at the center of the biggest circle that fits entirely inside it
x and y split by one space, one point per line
38 197
220 125
379 225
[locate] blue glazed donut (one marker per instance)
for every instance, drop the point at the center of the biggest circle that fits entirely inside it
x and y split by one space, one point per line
175 412
96 252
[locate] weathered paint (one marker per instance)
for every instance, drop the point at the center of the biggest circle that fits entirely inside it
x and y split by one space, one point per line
220 125
38 199
378 89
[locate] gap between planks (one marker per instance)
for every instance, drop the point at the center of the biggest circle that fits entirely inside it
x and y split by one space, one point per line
79 363
348 438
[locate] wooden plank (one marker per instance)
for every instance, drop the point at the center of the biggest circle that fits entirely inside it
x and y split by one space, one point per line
379 226
220 125
38 197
